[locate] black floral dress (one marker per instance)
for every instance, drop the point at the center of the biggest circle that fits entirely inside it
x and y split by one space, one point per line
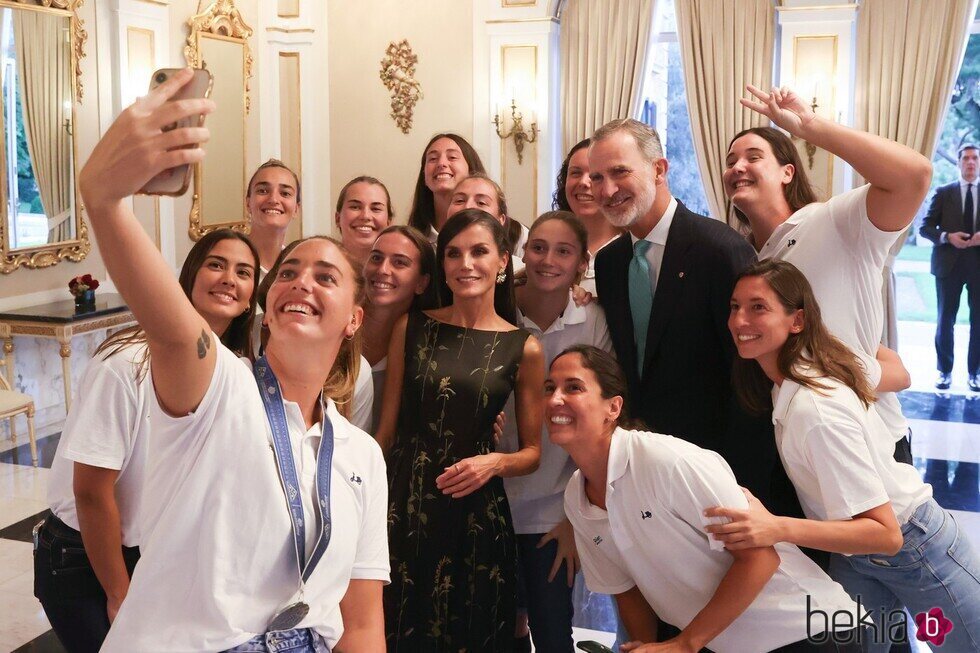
453 561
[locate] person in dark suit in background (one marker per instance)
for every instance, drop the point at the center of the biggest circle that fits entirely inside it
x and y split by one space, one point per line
951 224
665 286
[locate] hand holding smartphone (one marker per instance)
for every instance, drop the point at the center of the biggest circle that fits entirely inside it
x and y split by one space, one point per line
593 647
175 181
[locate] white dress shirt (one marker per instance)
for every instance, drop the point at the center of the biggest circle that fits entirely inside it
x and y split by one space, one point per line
658 240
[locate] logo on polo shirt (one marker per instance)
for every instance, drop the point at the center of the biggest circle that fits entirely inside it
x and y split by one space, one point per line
792 241
645 514
354 478
597 540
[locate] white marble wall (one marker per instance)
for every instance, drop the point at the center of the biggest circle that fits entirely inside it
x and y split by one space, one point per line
39 374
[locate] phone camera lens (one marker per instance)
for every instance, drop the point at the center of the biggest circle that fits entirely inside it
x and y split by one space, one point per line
161 78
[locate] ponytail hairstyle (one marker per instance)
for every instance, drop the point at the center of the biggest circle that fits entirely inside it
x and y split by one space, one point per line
235 337
511 227
798 192
423 213
274 163
342 380
427 265
503 297
574 223
372 181
812 347
609 375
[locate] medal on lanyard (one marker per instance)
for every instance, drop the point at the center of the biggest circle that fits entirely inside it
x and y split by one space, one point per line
290 616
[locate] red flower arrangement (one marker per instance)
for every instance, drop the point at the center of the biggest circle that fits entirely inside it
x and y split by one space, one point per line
79 285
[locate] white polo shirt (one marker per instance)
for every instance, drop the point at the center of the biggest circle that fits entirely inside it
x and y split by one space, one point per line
652 535
536 500
217 559
843 255
106 427
839 454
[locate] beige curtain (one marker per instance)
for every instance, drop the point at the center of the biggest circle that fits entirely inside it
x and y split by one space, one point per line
725 44
908 55
604 45
44 71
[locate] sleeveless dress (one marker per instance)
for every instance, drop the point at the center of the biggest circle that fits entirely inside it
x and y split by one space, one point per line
453 561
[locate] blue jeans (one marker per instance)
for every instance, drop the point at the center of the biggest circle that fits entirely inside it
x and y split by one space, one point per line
549 605
936 567
302 640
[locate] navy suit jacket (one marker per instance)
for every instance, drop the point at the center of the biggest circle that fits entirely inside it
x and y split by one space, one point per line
945 215
686 389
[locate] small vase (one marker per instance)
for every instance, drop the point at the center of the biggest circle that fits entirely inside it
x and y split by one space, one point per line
85 303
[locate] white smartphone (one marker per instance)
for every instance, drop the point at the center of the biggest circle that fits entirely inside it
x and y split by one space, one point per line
176 181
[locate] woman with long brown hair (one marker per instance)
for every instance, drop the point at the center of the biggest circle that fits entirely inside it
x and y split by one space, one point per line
450 372
235 556
446 159
400 273
844 242
892 545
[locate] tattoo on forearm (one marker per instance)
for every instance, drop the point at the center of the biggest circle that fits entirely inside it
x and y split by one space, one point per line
203 344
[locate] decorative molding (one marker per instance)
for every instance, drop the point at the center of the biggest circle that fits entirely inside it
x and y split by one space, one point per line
398 76
221 19
291 30
541 19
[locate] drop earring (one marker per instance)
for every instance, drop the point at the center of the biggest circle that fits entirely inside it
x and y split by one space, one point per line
501 276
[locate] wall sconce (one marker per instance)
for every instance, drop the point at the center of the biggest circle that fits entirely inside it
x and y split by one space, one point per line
517 130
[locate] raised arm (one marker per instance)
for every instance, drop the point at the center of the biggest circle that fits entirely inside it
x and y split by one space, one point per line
894 376
393 386
470 474
135 149
899 176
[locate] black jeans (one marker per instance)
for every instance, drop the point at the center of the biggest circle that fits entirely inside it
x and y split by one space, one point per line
69 591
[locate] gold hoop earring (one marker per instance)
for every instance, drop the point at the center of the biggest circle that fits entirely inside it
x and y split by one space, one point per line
501 276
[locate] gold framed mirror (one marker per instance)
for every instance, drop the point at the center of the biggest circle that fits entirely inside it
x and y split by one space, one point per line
218 41
41 217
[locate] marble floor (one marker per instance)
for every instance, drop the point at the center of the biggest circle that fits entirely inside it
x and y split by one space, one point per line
946 446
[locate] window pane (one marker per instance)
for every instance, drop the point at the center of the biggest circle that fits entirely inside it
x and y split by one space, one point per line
664 108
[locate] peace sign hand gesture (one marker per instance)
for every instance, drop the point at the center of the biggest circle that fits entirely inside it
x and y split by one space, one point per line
784 107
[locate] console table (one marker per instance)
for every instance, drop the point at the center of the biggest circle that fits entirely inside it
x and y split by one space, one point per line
58 320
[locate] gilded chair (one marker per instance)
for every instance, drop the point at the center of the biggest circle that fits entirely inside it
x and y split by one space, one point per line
12 404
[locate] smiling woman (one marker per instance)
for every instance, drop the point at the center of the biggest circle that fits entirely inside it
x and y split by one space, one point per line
450 372
363 210
263 580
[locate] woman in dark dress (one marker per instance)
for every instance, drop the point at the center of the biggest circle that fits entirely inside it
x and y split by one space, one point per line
451 540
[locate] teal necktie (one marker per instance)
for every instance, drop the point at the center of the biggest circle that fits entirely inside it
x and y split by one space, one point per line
641 298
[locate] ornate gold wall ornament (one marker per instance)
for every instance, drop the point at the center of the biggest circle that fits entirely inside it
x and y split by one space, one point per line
398 76
224 19
76 249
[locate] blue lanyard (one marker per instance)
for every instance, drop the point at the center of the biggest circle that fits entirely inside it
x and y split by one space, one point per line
276 414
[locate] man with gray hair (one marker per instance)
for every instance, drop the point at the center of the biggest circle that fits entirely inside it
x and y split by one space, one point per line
665 286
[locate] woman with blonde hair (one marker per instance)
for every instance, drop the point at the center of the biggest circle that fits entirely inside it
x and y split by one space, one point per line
257 475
